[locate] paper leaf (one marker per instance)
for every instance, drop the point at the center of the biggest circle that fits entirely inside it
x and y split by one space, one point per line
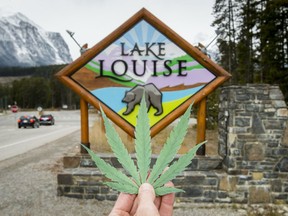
122 187
110 171
160 191
143 141
177 167
120 150
171 146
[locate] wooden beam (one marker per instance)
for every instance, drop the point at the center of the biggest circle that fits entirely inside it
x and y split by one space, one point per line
201 126
84 125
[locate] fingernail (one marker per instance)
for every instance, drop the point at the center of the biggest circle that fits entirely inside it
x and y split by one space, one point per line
146 187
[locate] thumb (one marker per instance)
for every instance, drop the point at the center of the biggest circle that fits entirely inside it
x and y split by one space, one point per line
146 193
146 197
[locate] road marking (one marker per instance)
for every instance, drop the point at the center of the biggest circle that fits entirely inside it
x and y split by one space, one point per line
38 137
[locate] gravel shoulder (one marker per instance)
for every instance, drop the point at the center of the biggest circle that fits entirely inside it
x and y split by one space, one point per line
28 183
28 186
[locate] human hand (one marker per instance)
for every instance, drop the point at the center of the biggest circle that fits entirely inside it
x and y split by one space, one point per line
145 203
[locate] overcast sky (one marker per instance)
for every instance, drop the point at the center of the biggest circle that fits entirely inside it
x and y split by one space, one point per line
93 20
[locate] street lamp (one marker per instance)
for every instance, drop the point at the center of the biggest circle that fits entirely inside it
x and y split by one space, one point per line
83 48
204 48
71 35
218 33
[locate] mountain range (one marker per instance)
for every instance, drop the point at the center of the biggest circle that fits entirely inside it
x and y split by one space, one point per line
24 43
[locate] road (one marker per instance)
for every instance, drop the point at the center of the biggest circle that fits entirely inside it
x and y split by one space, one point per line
15 141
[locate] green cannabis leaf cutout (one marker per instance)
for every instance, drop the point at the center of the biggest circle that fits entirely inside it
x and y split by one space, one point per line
158 176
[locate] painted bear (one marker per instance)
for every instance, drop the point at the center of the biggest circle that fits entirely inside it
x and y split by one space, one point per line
153 97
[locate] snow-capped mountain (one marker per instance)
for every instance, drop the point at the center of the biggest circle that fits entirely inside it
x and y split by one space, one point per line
24 43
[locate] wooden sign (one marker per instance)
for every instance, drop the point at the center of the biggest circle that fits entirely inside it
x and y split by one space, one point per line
143 58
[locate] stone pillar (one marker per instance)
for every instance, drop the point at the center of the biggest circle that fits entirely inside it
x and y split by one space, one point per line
252 124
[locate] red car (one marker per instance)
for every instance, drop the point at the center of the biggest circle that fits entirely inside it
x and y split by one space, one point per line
14 108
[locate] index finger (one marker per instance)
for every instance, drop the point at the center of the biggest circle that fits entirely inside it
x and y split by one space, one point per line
167 202
124 202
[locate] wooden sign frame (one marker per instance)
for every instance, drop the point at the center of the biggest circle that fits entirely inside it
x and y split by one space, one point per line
65 75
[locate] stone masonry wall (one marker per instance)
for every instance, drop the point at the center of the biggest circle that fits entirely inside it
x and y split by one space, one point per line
252 166
252 125
81 179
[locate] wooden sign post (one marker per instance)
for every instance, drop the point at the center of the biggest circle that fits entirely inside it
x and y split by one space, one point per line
143 58
84 124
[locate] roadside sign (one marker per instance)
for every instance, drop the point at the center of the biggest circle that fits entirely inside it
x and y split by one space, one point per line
143 57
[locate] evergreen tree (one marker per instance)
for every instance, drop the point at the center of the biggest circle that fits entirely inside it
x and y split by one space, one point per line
225 22
274 41
247 41
256 45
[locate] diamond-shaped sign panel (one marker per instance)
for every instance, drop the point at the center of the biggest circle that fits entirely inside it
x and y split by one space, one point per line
143 58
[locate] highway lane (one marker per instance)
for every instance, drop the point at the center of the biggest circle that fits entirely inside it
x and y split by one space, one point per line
15 141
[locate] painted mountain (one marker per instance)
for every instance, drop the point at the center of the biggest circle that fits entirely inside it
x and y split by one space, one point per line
133 60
